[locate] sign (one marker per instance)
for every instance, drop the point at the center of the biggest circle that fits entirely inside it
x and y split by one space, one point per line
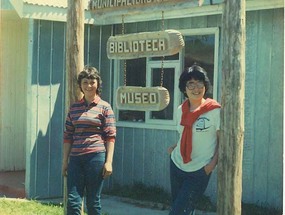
104 4
142 98
145 44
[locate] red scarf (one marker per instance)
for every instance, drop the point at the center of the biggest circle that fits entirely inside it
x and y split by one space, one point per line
187 120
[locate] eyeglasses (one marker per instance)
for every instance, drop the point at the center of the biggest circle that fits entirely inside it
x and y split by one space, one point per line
192 85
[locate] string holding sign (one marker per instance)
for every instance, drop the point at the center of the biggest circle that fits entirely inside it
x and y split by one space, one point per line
162 58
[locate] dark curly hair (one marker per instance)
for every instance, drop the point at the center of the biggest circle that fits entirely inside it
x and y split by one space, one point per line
197 73
90 73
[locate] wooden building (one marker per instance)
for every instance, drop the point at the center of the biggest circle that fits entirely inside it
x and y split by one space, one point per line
32 82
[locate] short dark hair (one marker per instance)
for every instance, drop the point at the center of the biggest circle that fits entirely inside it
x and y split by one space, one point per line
197 73
90 73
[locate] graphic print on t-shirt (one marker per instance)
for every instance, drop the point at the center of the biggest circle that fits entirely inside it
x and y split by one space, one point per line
203 123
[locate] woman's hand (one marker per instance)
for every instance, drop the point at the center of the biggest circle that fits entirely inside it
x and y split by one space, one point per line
107 170
170 149
64 168
208 168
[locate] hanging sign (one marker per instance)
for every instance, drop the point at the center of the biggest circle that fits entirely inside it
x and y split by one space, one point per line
113 4
142 98
145 44
99 5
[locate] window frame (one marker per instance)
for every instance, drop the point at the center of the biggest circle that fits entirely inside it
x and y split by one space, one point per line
176 65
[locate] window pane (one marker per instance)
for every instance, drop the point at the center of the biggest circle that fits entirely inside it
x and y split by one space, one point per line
168 83
135 76
136 72
131 116
200 49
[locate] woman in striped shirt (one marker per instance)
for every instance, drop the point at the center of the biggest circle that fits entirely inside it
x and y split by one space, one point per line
89 139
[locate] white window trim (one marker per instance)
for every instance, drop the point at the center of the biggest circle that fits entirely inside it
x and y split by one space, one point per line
176 65
170 124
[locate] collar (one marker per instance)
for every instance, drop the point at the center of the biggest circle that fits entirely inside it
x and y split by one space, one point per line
95 101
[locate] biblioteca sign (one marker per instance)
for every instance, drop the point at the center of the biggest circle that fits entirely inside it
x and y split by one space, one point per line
144 44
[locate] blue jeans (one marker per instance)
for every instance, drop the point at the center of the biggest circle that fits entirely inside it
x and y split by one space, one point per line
85 175
186 188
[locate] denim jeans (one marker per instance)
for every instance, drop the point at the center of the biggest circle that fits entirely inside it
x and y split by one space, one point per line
186 188
85 175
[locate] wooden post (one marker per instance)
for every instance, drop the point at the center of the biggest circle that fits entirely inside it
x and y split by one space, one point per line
232 114
74 49
74 60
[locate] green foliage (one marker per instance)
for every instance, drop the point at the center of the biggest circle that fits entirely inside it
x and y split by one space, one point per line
26 207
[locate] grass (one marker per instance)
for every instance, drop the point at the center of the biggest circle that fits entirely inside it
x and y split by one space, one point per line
138 192
25 207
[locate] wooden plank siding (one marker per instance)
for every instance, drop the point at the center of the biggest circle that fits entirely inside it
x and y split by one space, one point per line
47 112
275 146
14 45
268 112
145 149
47 93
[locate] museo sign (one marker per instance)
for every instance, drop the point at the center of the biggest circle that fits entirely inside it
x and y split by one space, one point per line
142 98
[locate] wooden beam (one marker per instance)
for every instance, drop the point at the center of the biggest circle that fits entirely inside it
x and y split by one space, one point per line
232 114
74 61
74 49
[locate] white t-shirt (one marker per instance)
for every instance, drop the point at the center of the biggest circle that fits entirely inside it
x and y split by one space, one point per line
204 140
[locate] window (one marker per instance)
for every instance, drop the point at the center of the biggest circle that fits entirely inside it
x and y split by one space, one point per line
135 76
170 75
201 47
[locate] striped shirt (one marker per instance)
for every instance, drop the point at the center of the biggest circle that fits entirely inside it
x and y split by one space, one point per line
89 127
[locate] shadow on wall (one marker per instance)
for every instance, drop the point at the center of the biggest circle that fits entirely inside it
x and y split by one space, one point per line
45 161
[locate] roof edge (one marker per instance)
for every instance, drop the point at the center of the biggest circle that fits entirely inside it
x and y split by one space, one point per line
32 11
18 6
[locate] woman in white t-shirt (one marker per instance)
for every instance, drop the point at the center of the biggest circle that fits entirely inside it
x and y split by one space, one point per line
195 155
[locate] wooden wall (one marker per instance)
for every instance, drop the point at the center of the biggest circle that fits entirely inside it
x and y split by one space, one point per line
13 71
140 153
263 145
141 156
46 96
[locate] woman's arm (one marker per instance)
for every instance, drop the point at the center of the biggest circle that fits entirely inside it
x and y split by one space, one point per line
171 148
66 152
108 169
